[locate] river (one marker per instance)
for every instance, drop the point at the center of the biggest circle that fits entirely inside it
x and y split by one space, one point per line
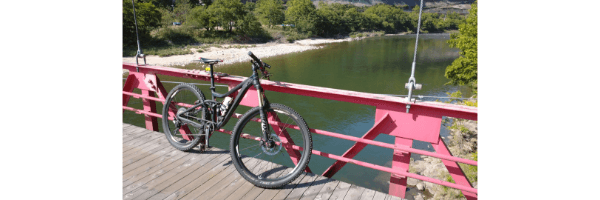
379 65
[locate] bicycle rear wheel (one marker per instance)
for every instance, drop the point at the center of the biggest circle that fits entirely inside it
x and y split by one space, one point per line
181 135
285 160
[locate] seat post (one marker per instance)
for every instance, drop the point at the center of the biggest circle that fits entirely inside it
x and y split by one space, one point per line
212 82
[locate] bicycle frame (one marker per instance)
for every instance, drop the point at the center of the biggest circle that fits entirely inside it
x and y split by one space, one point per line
243 86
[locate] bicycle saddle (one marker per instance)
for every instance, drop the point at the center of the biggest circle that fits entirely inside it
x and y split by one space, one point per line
209 61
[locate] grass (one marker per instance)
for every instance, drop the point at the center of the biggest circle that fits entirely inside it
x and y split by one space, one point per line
169 40
366 34
284 35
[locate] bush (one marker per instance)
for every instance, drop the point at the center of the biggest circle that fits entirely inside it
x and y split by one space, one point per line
148 18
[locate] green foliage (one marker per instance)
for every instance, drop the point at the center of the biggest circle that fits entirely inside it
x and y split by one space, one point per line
226 12
181 10
201 17
179 13
249 25
388 18
302 14
463 71
270 12
229 20
148 18
176 35
168 4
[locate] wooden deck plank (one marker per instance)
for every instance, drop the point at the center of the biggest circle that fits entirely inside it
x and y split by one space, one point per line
152 179
198 178
368 194
327 189
134 150
226 169
149 159
340 191
233 186
153 165
222 184
141 141
270 193
159 148
132 130
137 145
179 172
266 166
141 161
137 134
128 127
153 169
379 195
312 191
245 187
390 197
354 193
305 182
299 190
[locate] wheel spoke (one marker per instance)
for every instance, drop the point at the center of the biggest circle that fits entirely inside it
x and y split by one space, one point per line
250 146
270 173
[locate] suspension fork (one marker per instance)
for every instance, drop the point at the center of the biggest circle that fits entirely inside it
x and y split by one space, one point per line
263 103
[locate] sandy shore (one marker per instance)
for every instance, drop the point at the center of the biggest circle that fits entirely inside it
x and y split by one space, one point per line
233 55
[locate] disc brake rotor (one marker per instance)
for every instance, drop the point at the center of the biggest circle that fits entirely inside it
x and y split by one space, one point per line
275 149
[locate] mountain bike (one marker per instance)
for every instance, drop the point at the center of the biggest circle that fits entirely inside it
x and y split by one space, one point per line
264 133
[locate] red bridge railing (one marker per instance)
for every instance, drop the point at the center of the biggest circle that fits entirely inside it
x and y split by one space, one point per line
422 123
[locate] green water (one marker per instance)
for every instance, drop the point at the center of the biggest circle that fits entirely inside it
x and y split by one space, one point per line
375 65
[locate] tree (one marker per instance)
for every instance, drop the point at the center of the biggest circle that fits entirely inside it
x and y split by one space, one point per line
302 14
148 18
248 24
201 17
169 3
463 71
182 7
389 18
226 12
270 11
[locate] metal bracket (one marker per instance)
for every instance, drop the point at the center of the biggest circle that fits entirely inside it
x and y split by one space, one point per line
139 55
397 176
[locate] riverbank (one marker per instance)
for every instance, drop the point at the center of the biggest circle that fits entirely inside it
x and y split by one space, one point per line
462 142
233 53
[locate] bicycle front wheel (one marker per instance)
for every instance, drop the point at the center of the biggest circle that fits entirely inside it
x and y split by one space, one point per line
277 164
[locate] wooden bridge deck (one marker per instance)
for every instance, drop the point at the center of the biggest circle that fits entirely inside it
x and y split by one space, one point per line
152 169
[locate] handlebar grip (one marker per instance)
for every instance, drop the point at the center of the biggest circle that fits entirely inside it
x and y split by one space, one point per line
255 58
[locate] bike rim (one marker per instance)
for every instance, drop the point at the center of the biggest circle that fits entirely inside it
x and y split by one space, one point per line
182 99
279 164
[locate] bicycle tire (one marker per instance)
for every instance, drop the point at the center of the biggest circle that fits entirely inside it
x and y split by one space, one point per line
180 94
270 177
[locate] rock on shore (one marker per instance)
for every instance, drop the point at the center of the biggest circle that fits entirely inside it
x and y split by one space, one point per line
234 55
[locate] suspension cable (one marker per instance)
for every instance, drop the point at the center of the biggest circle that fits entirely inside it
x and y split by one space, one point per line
139 53
412 81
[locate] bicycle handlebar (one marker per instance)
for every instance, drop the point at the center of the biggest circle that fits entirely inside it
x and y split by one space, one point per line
260 63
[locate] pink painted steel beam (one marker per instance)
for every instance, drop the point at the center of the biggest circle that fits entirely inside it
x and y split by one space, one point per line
286 139
150 106
137 96
162 94
129 85
454 169
372 166
400 162
357 147
450 110
390 170
376 143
